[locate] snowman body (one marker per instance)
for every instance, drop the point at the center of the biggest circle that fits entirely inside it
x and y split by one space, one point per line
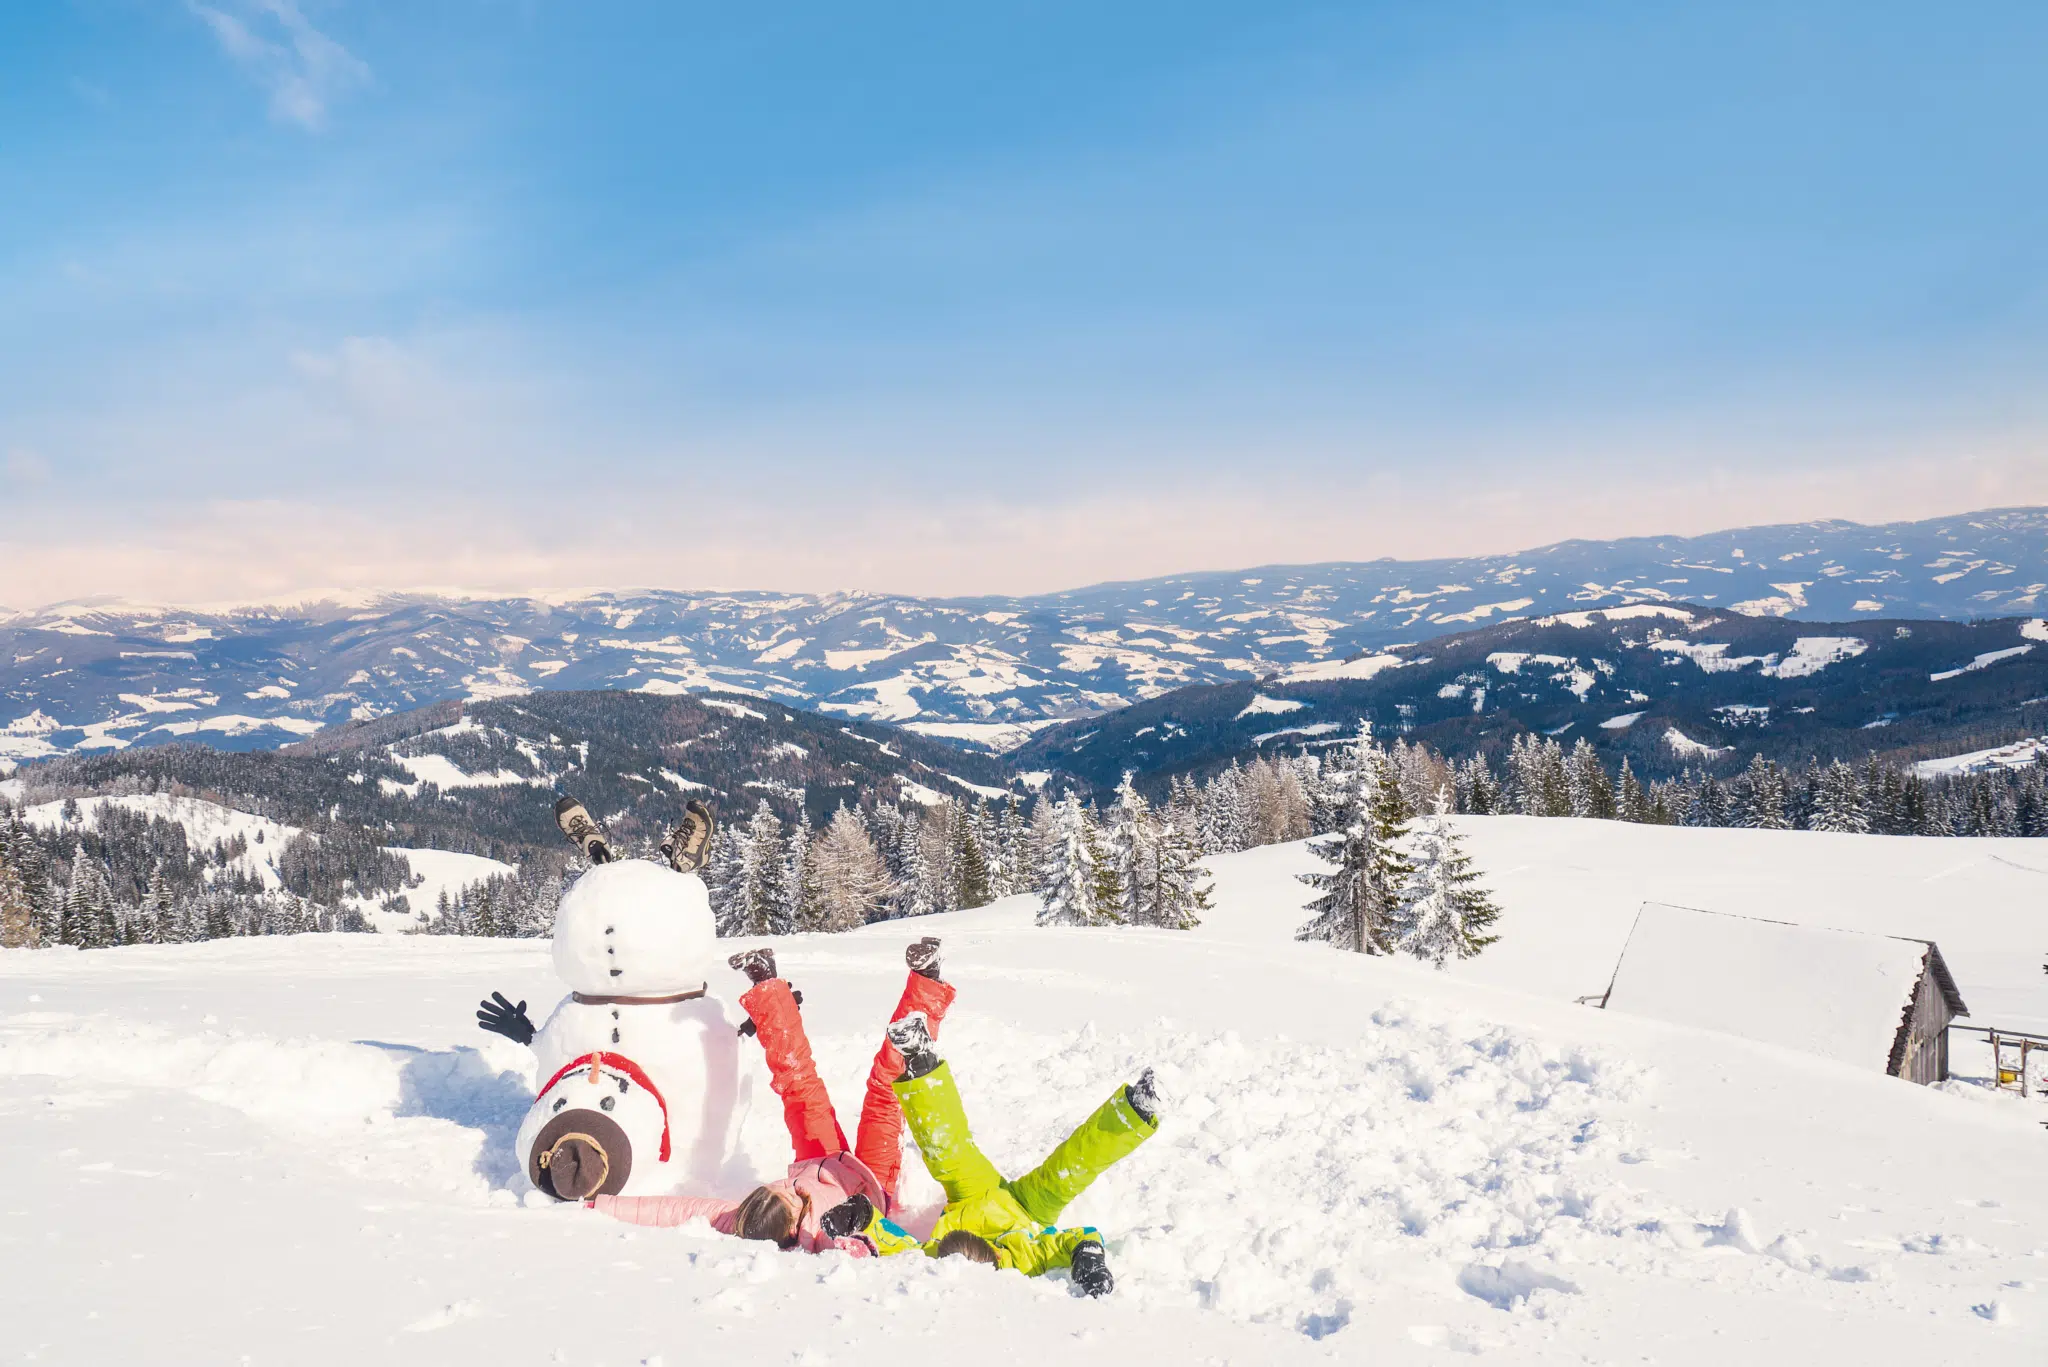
639 1055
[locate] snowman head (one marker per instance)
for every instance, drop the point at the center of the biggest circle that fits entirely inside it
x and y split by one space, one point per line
634 928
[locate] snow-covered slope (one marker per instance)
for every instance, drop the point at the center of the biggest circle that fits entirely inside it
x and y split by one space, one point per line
101 676
1362 1160
207 824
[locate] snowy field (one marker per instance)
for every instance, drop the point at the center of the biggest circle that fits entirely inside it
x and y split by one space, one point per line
297 1150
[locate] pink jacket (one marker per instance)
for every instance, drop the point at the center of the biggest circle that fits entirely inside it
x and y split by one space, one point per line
824 1181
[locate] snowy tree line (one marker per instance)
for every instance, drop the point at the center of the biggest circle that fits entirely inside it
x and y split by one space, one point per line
130 878
1272 799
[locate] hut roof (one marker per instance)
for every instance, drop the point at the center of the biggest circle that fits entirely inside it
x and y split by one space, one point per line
1843 994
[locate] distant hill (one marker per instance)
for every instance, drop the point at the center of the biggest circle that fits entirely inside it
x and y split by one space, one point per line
482 778
981 671
1666 685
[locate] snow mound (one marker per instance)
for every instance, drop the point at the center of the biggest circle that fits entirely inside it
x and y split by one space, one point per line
442 1120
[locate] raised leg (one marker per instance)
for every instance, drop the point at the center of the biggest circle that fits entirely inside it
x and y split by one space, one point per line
878 1142
931 1107
806 1107
1112 1132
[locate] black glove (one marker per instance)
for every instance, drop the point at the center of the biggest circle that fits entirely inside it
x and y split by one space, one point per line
850 1217
1090 1270
747 1026
501 1017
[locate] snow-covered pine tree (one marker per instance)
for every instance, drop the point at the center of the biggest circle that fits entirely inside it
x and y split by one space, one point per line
152 921
1763 796
723 872
1066 875
17 915
797 890
1444 912
1178 892
1012 874
1106 896
854 885
1478 791
754 904
1361 894
970 869
1838 801
1630 801
1589 794
1128 841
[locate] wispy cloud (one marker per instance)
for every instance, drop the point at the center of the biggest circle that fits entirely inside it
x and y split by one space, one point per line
304 70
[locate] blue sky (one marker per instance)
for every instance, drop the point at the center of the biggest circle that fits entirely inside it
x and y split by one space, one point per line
957 298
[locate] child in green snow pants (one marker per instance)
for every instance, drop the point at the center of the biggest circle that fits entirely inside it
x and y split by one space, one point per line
1016 1218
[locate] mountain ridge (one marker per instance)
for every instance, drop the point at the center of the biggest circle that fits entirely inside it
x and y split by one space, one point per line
983 671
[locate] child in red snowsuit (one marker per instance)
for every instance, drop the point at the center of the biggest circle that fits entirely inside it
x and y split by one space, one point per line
824 1173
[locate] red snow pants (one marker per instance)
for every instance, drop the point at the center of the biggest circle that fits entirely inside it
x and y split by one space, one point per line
806 1107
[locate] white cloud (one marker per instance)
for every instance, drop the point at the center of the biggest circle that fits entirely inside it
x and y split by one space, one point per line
303 69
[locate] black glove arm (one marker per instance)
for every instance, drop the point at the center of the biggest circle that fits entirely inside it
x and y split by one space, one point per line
501 1017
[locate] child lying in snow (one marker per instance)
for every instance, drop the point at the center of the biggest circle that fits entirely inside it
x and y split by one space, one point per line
823 1174
990 1220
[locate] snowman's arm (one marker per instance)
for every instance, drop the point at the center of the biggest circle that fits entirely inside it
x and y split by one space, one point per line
501 1017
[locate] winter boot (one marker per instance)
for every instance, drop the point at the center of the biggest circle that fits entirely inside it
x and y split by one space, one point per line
1090 1270
582 831
757 964
689 845
913 1035
923 957
1143 1095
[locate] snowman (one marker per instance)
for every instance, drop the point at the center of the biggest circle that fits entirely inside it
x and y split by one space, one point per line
639 1064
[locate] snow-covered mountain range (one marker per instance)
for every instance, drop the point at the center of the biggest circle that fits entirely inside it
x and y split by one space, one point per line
983 671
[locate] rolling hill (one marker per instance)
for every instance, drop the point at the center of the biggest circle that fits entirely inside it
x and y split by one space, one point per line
986 672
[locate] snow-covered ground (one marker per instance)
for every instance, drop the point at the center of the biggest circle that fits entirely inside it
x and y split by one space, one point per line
297 1150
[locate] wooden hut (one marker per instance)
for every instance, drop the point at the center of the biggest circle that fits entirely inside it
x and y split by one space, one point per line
1872 1001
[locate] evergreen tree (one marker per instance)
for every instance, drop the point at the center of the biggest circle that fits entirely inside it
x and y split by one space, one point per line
1106 892
970 869
17 914
1067 885
760 888
1838 801
1362 893
1178 894
1763 796
1127 844
1630 802
1444 912
1589 794
797 887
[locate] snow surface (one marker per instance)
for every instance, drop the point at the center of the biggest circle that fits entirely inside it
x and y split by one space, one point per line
1837 993
2017 755
1812 654
1984 661
442 772
1260 705
1365 667
298 1150
1683 744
